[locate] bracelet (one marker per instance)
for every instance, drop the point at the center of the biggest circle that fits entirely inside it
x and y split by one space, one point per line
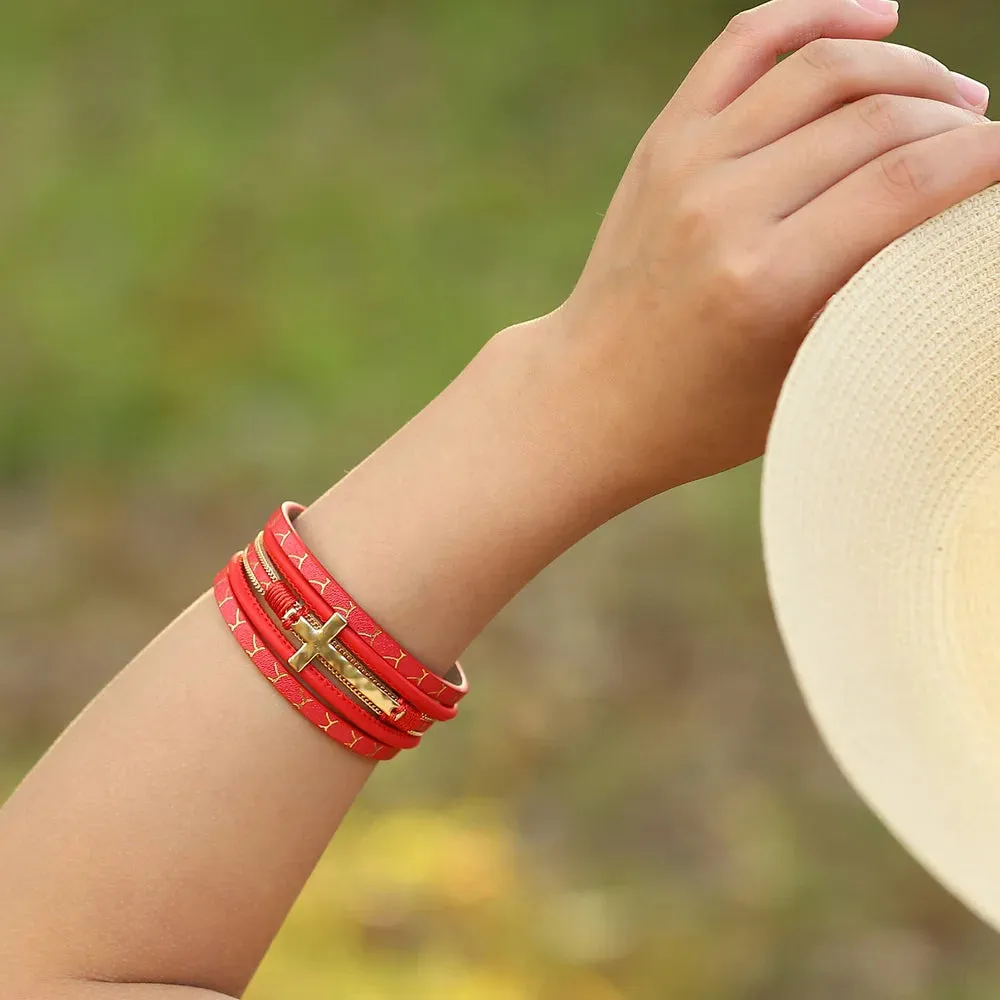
322 652
294 560
284 683
309 677
332 658
350 643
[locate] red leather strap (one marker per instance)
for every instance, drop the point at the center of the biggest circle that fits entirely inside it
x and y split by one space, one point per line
310 598
404 718
299 566
287 685
383 668
310 677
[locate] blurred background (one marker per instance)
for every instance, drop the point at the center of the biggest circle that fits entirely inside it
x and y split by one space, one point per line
242 242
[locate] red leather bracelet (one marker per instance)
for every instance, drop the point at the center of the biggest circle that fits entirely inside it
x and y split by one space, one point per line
301 568
301 589
310 678
385 669
284 683
381 701
345 674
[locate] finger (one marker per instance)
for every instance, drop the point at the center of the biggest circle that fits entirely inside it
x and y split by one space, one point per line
754 39
800 167
824 75
823 244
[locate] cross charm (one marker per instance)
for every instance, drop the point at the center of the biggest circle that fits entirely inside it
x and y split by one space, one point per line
316 641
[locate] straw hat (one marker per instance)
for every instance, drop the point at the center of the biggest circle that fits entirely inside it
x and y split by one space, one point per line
881 523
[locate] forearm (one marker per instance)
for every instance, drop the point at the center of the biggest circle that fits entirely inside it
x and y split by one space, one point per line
164 837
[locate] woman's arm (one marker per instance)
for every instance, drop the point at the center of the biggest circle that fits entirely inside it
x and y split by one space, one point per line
165 835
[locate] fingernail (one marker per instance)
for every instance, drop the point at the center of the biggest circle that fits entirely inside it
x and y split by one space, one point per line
883 7
976 93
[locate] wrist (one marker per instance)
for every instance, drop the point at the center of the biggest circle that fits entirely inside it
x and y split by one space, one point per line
617 455
572 435
437 529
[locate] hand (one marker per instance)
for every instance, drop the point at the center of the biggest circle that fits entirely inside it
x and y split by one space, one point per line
753 197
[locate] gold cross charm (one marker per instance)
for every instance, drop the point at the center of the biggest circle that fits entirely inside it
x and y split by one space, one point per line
316 641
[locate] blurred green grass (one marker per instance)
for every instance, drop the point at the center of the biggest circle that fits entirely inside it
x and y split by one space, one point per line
349 198
242 243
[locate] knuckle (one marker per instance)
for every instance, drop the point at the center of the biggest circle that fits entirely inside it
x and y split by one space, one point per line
645 159
696 214
829 56
926 63
654 160
882 114
904 174
742 26
739 281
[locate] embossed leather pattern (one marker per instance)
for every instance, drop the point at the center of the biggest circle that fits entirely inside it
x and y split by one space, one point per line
282 681
310 677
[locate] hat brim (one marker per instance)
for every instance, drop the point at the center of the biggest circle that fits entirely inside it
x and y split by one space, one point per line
881 527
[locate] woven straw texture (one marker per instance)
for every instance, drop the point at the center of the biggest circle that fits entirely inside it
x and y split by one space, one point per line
881 524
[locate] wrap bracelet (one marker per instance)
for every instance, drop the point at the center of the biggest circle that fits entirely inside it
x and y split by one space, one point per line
322 652
310 678
326 652
352 644
294 560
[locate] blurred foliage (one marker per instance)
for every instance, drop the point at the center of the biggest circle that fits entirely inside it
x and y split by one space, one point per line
242 243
